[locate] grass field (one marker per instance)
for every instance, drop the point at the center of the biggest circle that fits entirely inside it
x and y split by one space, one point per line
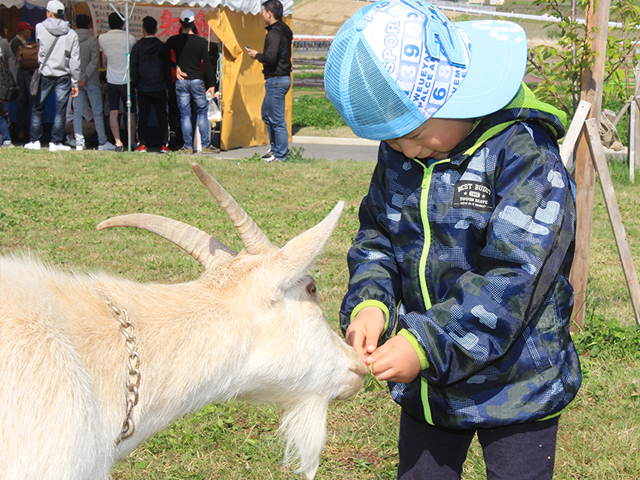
50 204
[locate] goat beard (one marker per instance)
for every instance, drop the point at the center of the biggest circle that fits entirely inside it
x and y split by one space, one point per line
304 426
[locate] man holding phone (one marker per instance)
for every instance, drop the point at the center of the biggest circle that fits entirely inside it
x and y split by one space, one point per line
276 58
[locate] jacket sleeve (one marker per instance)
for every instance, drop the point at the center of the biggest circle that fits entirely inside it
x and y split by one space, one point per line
526 252
133 66
165 53
93 61
74 61
373 273
271 48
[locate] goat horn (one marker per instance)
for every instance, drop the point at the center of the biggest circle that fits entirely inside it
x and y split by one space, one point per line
201 246
255 241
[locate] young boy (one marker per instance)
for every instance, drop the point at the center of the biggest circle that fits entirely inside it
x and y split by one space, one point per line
466 239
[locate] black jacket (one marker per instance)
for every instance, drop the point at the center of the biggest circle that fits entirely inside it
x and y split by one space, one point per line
276 56
192 54
149 73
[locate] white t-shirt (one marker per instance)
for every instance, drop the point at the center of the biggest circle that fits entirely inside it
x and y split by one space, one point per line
114 47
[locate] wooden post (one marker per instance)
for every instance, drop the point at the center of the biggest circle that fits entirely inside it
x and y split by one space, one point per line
597 20
600 162
634 127
571 137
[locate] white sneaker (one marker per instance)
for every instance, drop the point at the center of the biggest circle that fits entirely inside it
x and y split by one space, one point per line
7 144
107 147
33 145
267 154
272 158
80 147
58 147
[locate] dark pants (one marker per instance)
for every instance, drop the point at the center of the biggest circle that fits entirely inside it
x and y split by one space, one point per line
159 101
24 103
515 452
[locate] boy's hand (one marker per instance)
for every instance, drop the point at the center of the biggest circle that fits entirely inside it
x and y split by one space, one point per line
365 330
395 361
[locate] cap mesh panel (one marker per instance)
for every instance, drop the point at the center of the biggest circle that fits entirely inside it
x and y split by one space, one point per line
373 101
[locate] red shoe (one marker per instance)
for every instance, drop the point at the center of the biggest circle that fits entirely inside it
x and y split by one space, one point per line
141 148
165 149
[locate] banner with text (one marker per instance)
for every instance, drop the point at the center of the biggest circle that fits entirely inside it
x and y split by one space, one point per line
168 19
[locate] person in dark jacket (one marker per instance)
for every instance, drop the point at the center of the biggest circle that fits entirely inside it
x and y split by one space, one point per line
466 239
276 58
150 78
195 79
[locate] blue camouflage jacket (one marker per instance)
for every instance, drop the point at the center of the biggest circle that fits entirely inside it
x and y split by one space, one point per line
469 258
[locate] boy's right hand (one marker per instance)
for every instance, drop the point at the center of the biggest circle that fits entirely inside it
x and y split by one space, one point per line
364 332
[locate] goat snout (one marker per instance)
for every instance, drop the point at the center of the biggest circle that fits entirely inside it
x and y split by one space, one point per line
357 371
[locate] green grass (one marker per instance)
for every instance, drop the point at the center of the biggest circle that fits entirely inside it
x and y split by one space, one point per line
50 204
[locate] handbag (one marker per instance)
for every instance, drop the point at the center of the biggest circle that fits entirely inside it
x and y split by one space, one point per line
34 86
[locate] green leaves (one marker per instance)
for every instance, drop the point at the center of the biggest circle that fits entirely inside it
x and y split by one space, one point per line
608 339
561 66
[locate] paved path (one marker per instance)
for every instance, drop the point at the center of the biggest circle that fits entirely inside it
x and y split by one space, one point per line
327 148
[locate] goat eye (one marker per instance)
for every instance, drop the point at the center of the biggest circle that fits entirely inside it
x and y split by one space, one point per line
311 289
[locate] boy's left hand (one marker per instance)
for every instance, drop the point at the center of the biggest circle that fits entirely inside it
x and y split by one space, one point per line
395 361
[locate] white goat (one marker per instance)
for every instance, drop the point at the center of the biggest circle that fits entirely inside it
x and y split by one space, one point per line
92 365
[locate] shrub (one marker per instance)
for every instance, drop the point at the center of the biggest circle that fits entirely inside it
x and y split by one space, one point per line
311 111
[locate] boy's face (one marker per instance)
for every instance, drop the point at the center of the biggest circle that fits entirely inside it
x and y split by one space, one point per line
435 138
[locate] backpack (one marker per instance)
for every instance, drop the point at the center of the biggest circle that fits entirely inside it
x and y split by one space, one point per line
8 86
28 56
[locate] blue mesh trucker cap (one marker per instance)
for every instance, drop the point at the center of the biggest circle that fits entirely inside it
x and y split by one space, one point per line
396 63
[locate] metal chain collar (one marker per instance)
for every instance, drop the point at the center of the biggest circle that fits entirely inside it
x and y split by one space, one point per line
133 379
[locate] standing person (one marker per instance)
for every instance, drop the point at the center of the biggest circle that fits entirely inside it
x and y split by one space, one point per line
60 73
276 58
466 239
5 47
89 86
4 126
114 47
6 57
24 103
192 57
150 76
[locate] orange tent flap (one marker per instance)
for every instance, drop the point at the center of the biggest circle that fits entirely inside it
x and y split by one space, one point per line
242 83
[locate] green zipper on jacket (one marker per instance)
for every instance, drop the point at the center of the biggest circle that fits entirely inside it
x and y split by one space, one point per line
424 213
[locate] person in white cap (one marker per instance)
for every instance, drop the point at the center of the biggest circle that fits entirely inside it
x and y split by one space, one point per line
60 73
195 78
466 239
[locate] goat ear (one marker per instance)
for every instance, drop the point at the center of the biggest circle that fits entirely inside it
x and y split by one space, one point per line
295 258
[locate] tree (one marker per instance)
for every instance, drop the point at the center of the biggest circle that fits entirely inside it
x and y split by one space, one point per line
561 65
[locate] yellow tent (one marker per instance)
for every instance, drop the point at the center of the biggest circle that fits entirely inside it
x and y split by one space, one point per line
242 82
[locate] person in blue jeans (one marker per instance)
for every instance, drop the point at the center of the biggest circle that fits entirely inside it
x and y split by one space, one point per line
4 130
194 80
89 86
276 58
60 73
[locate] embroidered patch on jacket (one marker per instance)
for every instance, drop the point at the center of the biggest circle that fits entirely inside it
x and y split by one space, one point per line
475 195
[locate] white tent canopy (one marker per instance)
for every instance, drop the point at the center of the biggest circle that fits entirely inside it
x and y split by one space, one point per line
246 6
